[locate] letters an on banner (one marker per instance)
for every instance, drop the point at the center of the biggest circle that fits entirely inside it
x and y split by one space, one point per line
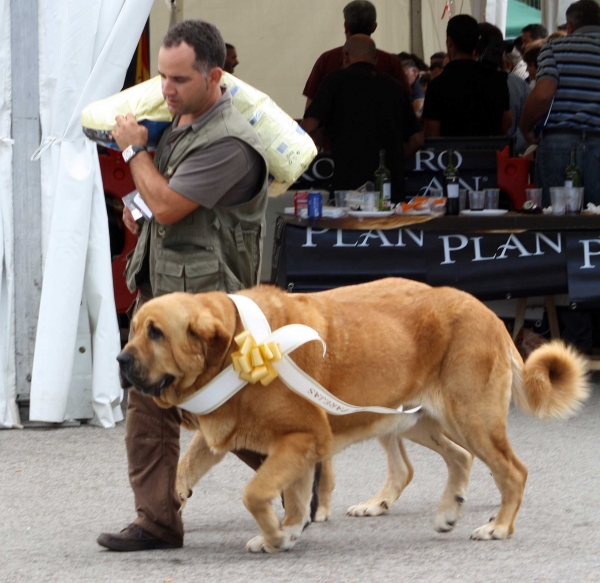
487 265
476 161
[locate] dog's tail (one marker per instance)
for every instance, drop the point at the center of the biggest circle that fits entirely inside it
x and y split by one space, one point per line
552 382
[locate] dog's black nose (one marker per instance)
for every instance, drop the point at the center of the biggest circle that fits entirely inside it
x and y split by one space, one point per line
125 359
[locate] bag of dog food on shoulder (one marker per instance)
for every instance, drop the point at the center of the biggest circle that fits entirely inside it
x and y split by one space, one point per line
289 148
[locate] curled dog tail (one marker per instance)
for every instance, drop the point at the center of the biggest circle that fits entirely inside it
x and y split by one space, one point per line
552 382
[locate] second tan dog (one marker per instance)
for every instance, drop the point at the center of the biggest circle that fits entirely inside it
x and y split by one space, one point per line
389 343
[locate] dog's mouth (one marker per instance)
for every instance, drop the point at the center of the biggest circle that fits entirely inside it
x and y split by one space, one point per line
155 389
130 376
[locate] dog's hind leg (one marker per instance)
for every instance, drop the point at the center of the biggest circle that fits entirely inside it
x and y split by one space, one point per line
427 432
399 475
485 435
510 475
289 467
197 461
326 487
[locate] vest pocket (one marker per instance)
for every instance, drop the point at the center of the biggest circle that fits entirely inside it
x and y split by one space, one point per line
202 275
168 277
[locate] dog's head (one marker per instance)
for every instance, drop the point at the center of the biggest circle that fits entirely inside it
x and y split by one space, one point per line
179 343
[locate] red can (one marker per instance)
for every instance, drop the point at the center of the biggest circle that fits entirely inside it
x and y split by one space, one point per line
300 202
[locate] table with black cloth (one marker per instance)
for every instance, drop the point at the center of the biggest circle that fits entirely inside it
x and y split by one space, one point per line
509 256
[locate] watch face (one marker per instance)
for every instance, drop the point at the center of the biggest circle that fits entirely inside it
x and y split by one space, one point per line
127 153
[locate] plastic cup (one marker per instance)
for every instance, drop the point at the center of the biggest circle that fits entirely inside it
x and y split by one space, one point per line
340 198
492 196
436 192
476 200
574 200
534 195
370 201
558 199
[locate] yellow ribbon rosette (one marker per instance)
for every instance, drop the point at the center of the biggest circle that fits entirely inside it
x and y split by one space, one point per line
253 361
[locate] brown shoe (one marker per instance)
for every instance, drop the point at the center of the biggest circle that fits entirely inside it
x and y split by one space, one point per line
134 538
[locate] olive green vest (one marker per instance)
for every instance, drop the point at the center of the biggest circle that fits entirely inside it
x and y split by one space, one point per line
209 249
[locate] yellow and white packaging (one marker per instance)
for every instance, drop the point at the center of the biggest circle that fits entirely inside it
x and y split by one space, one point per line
289 148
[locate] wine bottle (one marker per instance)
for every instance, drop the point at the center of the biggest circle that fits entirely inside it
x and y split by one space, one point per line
383 184
451 185
573 172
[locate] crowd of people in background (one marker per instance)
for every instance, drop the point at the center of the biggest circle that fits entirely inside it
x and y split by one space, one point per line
479 86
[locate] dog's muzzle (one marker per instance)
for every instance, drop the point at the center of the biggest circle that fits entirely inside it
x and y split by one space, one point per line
129 378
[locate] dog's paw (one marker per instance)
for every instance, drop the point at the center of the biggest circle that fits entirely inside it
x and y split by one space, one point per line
322 514
259 545
445 522
490 531
369 509
448 514
291 534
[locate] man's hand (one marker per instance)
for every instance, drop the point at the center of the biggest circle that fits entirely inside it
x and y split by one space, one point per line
128 132
130 221
531 137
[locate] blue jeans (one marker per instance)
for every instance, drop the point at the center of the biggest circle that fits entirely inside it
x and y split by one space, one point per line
553 157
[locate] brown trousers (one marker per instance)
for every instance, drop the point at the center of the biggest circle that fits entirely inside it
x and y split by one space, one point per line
152 442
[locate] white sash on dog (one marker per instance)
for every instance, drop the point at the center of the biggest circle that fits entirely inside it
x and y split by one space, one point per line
228 383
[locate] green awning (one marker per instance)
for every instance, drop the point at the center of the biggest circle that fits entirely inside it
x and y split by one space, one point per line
518 16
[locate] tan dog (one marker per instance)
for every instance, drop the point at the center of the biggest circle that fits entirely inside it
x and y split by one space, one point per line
389 342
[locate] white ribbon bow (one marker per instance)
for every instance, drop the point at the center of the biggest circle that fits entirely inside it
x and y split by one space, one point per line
8 141
227 383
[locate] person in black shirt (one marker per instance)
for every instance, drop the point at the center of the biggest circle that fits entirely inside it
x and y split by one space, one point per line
364 111
468 98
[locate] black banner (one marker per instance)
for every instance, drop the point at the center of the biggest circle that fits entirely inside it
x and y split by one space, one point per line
583 265
496 266
487 265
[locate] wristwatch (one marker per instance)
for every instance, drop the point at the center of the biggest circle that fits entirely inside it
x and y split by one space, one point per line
130 151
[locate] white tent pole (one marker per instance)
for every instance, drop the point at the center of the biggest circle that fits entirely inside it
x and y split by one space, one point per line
416 37
549 13
27 187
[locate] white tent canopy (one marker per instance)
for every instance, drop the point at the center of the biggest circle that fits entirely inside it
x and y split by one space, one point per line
85 47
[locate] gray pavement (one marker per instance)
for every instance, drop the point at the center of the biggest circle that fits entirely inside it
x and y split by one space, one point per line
59 488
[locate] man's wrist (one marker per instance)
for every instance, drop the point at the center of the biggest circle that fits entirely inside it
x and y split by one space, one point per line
132 150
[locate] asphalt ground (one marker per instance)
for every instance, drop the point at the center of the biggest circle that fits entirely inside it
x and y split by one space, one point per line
60 488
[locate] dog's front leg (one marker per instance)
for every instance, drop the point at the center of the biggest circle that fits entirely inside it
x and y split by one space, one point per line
197 461
289 468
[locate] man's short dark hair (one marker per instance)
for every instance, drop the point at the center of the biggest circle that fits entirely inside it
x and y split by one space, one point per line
440 56
487 33
204 38
536 31
360 17
583 13
463 31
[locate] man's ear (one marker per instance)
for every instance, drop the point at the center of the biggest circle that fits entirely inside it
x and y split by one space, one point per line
213 342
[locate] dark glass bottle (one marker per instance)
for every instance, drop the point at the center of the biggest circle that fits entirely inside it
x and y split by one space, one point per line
383 184
573 172
451 186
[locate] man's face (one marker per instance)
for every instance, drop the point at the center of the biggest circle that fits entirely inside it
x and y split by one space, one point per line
527 40
411 74
231 61
185 88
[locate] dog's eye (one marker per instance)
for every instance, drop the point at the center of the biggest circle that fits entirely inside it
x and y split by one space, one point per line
154 333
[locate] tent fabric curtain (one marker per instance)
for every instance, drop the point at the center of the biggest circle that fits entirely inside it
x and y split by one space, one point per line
9 413
85 49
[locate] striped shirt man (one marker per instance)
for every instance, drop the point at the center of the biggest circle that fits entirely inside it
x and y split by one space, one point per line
573 62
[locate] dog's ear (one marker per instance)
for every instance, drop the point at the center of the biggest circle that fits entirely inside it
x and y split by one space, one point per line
213 339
